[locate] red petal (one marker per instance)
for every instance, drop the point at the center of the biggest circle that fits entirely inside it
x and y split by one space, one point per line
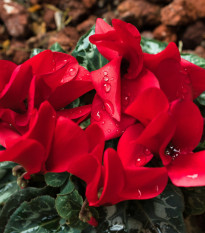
113 179
102 27
195 77
107 84
69 144
152 182
171 52
109 125
173 79
127 28
42 126
68 92
16 90
7 134
189 125
188 170
131 154
7 69
157 132
148 105
42 63
96 140
29 153
132 88
75 113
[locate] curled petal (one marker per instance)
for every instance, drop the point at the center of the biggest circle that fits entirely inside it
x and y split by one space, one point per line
113 180
195 77
132 88
189 125
29 153
107 84
69 144
96 139
122 41
109 125
16 90
171 52
78 114
187 170
148 105
7 134
68 92
160 130
152 184
42 126
131 154
7 68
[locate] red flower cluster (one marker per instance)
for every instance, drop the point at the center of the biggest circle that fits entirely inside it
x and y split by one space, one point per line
144 100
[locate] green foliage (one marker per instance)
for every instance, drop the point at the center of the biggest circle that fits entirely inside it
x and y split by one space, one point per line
194 200
152 46
19 197
30 216
68 207
57 48
194 59
87 53
36 51
67 188
8 184
56 179
162 214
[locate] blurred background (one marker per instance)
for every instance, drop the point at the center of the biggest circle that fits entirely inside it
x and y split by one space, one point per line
25 25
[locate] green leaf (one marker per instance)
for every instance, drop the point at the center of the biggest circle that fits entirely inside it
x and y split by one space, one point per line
8 185
152 46
35 51
38 213
162 214
56 47
17 198
87 54
7 165
201 99
194 200
68 207
68 188
194 59
56 179
74 104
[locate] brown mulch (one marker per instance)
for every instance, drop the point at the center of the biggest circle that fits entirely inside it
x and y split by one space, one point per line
25 25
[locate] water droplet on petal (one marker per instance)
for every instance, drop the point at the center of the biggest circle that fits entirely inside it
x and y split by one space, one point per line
194 176
97 116
106 78
146 151
111 79
140 160
109 107
139 193
107 87
125 100
157 188
72 71
103 123
109 130
105 73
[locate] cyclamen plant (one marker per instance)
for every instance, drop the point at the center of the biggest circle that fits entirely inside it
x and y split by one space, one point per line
109 124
